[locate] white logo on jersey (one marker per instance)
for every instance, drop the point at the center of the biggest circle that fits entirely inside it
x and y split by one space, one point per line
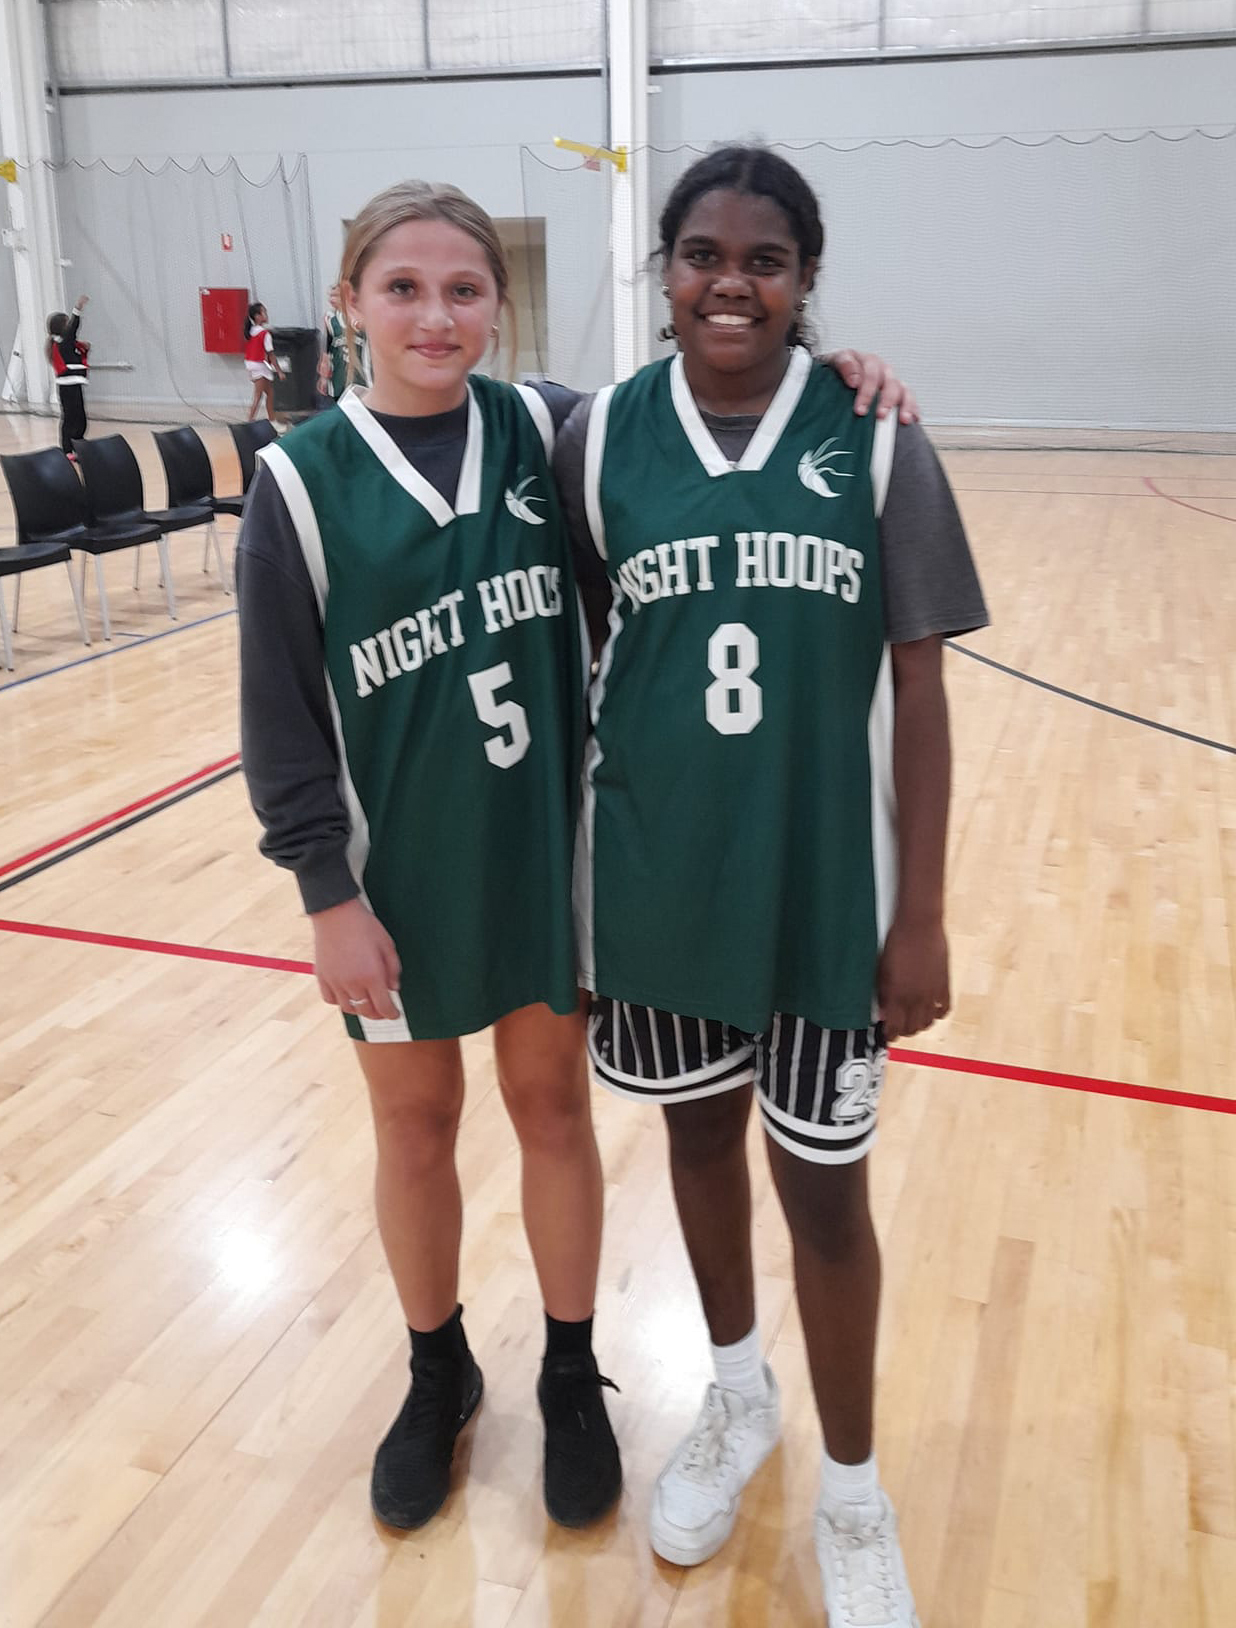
517 503
813 466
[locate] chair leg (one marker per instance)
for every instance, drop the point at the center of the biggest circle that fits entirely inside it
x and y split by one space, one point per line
165 568
6 641
137 569
77 604
206 548
214 533
102 587
17 602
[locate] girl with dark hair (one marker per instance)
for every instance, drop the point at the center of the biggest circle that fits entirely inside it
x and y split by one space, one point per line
69 357
760 872
261 363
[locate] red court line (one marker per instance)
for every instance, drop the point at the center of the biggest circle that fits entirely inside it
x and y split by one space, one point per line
1065 1082
1213 513
118 814
917 1059
156 946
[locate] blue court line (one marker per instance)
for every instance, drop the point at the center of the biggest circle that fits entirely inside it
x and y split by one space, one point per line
136 644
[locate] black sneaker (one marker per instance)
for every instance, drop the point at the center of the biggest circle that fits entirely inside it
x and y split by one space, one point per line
412 1467
583 1473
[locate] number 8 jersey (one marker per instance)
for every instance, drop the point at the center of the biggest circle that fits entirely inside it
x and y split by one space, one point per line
451 641
737 849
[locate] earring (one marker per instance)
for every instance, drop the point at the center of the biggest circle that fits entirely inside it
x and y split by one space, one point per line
802 305
495 330
668 332
665 290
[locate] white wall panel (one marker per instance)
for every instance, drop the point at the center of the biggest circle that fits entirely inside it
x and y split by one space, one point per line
515 33
102 42
305 38
942 25
682 30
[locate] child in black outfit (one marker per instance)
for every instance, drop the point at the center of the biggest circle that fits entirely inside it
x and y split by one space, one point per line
68 357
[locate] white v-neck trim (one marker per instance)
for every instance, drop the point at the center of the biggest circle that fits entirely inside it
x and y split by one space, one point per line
380 442
771 426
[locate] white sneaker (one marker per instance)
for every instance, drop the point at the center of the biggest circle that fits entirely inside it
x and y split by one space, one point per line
695 1501
865 1582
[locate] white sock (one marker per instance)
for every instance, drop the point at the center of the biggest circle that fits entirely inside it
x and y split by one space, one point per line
740 1367
848 1483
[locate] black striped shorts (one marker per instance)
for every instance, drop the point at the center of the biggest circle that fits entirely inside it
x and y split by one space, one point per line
818 1089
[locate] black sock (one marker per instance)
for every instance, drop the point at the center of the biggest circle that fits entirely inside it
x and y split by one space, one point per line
446 1341
567 1339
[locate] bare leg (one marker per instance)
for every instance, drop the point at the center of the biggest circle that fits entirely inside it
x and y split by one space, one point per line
416 1093
837 1275
543 1077
257 397
712 1188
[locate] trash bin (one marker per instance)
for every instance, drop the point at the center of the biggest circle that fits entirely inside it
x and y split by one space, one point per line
297 352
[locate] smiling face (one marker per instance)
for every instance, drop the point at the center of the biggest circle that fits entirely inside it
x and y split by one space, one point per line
428 303
735 279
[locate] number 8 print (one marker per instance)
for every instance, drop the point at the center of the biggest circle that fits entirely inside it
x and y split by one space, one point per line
733 702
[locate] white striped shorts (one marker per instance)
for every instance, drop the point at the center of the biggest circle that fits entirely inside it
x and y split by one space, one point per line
818 1089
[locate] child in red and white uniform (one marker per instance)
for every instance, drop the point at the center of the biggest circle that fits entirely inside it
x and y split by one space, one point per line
68 356
261 363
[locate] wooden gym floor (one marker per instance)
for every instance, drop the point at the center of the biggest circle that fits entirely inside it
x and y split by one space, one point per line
199 1342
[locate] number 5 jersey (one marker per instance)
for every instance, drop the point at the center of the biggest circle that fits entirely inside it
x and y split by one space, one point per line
737 854
447 701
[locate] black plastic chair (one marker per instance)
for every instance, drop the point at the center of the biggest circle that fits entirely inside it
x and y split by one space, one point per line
249 440
191 480
114 492
52 507
29 557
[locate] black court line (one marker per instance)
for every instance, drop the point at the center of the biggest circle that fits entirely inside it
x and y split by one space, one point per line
1089 701
137 641
113 830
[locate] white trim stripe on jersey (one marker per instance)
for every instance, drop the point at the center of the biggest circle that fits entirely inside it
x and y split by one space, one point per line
882 443
300 512
884 858
582 888
780 411
594 454
468 496
771 427
538 411
305 521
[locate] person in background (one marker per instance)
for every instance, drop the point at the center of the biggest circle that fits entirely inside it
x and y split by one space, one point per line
261 363
69 357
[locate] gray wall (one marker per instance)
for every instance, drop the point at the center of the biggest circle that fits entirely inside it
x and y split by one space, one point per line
1060 285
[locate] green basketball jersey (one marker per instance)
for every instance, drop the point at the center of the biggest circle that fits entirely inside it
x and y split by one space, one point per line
737 851
452 650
